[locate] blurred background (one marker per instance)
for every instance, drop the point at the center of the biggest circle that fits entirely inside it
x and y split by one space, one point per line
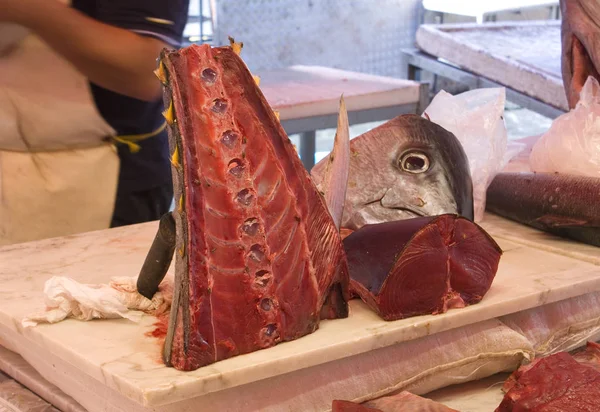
280 33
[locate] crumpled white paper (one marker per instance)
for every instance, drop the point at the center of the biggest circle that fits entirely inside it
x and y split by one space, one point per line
67 298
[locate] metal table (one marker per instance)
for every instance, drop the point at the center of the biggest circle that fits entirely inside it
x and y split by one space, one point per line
418 60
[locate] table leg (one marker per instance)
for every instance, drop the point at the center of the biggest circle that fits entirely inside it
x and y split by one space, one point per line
308 147
413 73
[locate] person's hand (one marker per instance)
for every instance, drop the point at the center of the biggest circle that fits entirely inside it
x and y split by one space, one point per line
9 10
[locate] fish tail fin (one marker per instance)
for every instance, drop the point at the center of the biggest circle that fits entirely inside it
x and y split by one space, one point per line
335 178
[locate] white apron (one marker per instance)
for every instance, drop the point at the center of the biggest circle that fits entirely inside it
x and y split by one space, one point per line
58 175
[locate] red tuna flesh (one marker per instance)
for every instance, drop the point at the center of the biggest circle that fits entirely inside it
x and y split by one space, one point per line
421 266
588 357
401 402
347 406
258 258
556 383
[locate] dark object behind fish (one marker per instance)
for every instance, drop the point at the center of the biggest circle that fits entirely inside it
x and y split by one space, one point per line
421 266
580 45
565 205
559 382
405 168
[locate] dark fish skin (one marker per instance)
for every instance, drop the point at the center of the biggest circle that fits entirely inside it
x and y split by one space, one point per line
564 205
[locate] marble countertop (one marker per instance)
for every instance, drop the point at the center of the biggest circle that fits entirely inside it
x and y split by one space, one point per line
119 355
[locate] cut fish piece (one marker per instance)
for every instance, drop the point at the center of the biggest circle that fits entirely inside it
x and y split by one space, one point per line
421 266
558 382
258 257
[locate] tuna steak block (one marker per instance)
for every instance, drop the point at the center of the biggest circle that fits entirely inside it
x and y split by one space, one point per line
420 266
558 382
258 258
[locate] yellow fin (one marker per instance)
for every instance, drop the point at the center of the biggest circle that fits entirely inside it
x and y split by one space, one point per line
160 73
237 47
180 209
276 114
169 114
175 157
256 80
181 251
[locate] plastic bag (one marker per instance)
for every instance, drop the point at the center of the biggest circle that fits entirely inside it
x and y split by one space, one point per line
560 326
572 144
476 118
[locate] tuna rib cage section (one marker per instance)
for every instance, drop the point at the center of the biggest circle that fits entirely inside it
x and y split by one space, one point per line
258 258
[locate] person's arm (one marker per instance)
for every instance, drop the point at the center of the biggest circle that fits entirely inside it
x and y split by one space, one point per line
111 57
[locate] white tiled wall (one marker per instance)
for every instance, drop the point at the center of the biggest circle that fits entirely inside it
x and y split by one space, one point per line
361 35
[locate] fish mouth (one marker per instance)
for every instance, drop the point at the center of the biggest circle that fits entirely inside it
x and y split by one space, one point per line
399 208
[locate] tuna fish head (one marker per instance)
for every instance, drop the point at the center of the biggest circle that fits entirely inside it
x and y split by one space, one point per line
405 168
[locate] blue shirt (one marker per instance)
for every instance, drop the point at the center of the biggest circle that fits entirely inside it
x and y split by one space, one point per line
161 19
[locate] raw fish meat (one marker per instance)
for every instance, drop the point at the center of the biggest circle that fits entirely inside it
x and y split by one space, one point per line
421 266
259 259
556 383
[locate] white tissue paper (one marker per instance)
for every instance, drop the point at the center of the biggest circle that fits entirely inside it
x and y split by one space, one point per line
66 298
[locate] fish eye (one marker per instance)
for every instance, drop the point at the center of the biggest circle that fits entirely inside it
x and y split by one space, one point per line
414 162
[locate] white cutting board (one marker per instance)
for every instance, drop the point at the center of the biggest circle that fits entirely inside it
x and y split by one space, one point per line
114 358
